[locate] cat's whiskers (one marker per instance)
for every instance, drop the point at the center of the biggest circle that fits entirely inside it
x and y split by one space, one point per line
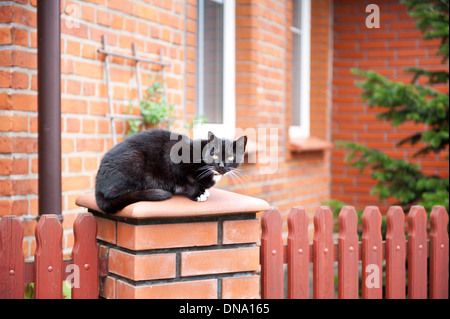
236 177
241 172
205 167
205 171
204 174
237 173
233 178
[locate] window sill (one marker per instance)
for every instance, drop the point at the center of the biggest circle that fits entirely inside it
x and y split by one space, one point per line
309 144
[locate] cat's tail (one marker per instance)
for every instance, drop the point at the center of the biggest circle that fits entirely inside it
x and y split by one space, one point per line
112 205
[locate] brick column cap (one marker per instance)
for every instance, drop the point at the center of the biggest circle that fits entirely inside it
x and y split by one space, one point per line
220 202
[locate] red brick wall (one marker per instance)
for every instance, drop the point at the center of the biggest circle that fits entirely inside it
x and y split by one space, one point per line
396 45
191 57
86 132
262 93
135 255
263 54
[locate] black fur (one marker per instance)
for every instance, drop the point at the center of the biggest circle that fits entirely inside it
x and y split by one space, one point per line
141 168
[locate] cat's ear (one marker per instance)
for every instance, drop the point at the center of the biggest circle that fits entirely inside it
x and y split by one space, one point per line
241 142
211 136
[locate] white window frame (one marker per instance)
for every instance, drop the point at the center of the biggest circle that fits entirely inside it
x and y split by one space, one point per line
227 128
303 130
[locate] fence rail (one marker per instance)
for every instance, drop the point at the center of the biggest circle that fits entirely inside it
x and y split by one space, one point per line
49 269
405 261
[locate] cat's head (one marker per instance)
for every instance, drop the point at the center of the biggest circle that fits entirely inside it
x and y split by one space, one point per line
223 155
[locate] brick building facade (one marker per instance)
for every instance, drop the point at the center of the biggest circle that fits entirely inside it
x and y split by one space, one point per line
388 50
307 171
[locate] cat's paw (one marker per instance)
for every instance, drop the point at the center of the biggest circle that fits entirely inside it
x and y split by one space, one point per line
207 193
201 198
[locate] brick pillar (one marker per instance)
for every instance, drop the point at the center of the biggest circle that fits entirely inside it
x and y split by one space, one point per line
181 249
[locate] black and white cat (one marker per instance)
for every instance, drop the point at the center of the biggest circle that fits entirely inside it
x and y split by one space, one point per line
154 165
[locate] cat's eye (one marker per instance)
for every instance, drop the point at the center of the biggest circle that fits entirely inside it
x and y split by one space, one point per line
215 157
230 158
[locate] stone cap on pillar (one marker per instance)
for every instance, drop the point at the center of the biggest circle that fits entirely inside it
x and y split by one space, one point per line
220 202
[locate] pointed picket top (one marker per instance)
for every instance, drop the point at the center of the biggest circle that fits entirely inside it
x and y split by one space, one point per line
48 258
439 251
323 254
417 253
348 220
271 255
298 254
12 261
395 253
85 257
348 254
372 254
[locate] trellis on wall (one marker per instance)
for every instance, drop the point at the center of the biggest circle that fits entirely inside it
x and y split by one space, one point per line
135 57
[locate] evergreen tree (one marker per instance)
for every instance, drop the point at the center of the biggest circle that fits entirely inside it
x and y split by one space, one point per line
401 103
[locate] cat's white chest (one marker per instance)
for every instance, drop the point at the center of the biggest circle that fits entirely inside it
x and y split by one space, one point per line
217 178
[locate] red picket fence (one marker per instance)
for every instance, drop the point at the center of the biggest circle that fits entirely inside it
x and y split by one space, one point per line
348 251
48 270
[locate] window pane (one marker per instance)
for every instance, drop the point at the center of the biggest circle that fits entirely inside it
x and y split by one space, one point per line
213 61
295 76
296 13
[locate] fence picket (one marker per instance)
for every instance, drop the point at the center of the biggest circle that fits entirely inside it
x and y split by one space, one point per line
48 258
372 254
85 257
395 254
323 254
348 254
49 273
272 255
298 254
439 245
12 262
417 253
